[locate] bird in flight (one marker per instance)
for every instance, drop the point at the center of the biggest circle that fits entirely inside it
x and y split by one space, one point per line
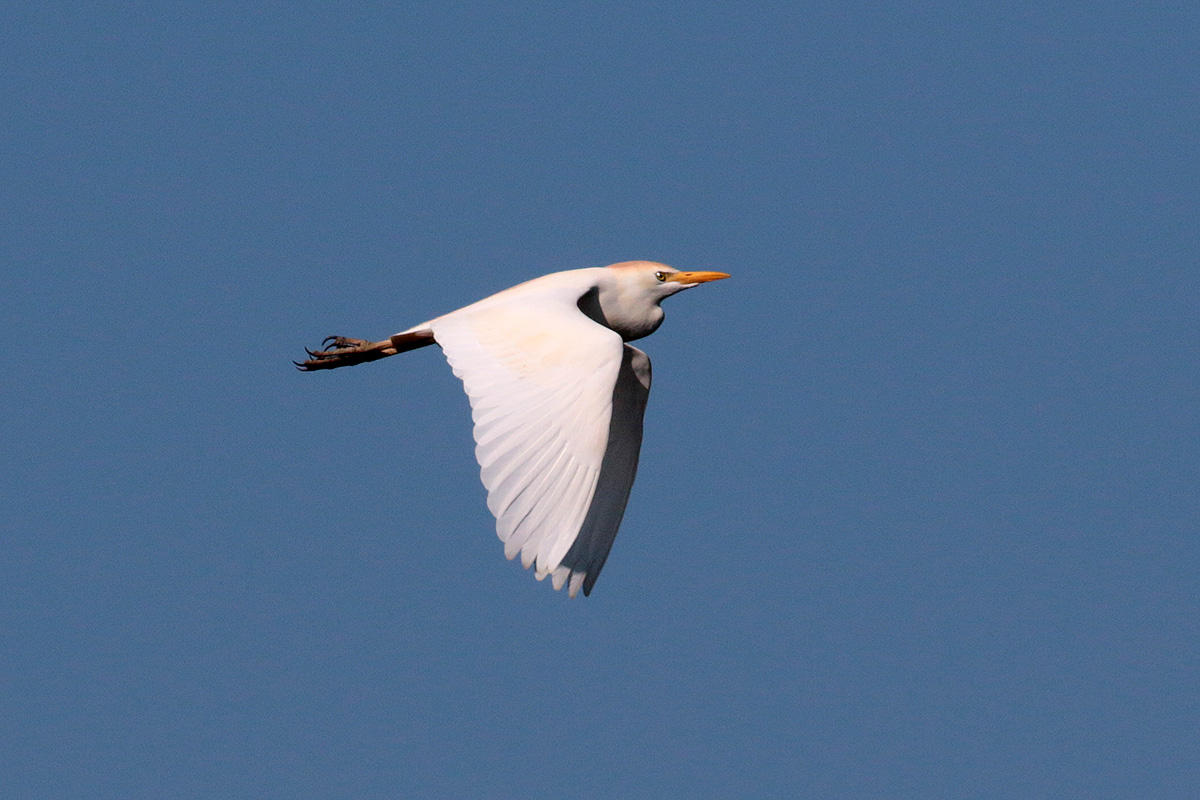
557 396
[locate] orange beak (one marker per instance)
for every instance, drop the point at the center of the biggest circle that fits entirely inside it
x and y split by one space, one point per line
692 278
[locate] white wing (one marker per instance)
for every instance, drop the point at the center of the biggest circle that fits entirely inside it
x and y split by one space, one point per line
542 379
587 555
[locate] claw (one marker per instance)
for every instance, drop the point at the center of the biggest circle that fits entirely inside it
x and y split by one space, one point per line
343 351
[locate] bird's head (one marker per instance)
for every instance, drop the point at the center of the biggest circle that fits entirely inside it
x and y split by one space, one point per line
630 304
659 280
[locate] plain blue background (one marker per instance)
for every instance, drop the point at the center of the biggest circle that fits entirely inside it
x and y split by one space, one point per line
917 512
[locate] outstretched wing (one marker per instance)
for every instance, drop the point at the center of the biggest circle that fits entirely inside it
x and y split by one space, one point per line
542 377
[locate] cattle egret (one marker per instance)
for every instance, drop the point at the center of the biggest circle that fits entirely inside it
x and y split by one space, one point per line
557 397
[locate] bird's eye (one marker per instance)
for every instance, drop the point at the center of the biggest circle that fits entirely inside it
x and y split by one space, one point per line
662 276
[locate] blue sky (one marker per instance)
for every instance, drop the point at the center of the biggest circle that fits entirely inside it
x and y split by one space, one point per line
917 509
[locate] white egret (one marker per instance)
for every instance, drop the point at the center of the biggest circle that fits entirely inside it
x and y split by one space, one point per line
557 397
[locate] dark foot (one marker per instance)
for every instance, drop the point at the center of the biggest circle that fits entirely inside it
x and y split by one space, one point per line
344 352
